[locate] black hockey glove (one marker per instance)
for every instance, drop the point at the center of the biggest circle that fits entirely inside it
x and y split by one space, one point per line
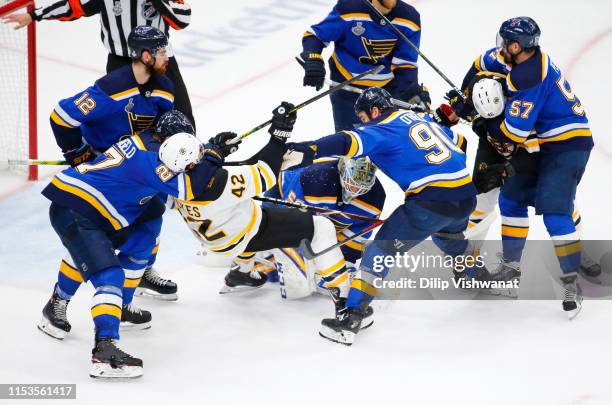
224 143
82 154
445 115
462 107
212 154
491 176
314 69
282 121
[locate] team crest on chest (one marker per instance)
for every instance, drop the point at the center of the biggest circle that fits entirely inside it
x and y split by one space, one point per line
358 29
139 123
117 9
376 49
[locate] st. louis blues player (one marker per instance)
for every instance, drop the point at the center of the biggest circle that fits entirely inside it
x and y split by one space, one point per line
422 157
94 210
362 39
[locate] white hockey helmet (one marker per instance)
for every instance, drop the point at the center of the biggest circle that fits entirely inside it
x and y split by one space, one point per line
357 176
488 98
180 151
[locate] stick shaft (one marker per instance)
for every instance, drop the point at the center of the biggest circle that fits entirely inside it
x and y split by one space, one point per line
319 210
374 70
416 48
28 162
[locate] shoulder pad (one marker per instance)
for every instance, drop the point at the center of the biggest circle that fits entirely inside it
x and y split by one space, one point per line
351 6
164 83
117 81
407 11
528 74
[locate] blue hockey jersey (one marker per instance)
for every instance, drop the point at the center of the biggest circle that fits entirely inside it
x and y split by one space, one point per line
540 101
319 185
421 156
361 39
115 106
114 189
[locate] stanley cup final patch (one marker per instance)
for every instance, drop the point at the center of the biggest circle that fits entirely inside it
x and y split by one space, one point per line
358 29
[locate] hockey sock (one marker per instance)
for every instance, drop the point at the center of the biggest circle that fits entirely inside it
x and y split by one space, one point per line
107 301
133 269
515 228
68 279
269 270
372 267
245 261
485 204
153 256
566 240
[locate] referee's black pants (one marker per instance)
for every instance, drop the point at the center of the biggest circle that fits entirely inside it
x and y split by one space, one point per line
181 97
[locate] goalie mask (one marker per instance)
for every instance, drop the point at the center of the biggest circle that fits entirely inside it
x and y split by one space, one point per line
357 176
488 98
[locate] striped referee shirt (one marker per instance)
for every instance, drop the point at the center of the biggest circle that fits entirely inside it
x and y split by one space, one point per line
118 17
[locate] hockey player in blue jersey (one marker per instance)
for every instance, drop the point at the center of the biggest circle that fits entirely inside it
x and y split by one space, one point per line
361 39
94 210
69 279
123 103
420 153
541 101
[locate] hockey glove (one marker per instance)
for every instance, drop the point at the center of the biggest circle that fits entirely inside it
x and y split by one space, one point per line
314 69
461 106
298 155
82 154
213 155
445 115
282 121
225 143
493 175
416 94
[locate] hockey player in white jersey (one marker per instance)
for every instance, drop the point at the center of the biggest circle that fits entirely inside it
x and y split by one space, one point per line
232 226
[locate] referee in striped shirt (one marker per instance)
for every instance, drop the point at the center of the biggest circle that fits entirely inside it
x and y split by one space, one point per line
117 19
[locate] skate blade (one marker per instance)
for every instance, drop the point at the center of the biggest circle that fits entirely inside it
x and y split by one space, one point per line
105 371
345 337
152 294
238 289
128 326
591 279
366 323
574 312
48 329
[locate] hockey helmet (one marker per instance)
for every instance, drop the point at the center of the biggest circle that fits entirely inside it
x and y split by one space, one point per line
374 97
523 30
357 176
181 152
488 98
172 122
145 38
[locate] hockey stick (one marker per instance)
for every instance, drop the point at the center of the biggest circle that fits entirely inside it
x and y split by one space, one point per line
353 89
409 42
28 162
372 71
309 254
318 210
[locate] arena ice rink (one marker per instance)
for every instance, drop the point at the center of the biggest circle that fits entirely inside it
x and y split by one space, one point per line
255 348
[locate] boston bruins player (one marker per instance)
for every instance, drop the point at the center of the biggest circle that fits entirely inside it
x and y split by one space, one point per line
231 225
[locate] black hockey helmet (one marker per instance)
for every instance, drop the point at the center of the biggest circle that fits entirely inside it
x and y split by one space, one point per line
374 97
523 30
172 122
145 38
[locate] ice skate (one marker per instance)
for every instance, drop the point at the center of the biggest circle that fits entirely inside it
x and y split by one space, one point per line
108 361
152 285
507 270
572 297
54 321
589 268
238 281
133 318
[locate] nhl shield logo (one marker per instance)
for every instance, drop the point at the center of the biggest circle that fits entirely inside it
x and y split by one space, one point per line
148 11
358 29
117 9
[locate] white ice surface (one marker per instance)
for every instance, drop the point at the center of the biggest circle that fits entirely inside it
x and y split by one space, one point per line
258 349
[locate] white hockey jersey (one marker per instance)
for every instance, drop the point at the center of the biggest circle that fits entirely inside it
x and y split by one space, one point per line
226 225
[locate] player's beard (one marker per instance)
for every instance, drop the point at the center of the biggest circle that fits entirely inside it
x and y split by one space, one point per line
161 70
